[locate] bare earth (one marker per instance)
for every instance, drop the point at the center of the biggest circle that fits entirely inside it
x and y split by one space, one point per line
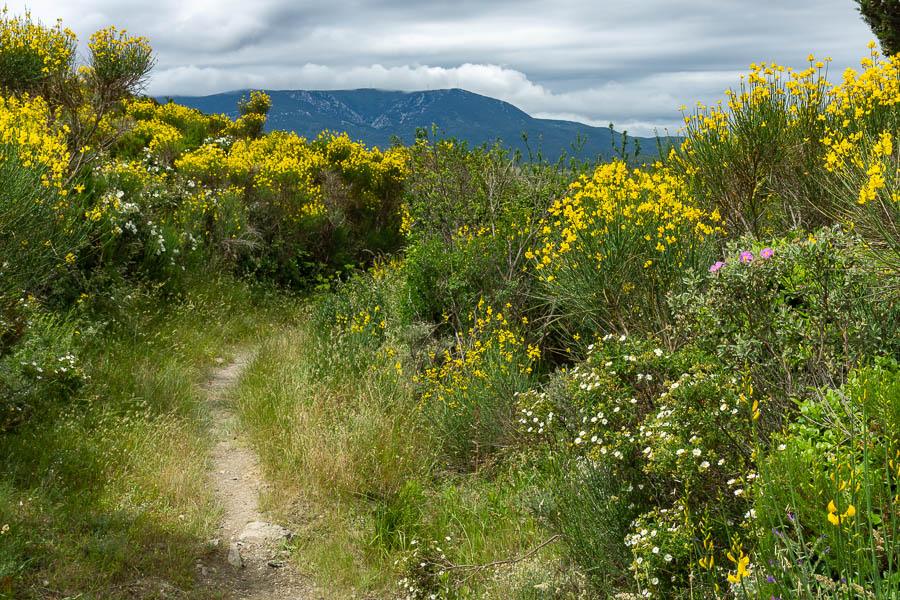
249 563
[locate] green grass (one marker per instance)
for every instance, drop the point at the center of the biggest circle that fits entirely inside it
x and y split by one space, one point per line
110 490
356 475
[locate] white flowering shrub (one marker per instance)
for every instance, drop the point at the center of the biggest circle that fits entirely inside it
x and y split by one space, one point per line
657 447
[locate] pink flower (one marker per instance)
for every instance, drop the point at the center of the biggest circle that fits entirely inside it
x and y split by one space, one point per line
719 264
766 253
746 256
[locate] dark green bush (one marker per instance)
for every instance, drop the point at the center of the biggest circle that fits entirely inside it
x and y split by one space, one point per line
801 312
471 215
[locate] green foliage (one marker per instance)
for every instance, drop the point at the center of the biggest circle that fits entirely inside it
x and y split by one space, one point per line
883 18
469 218
798 314
41 233
827 496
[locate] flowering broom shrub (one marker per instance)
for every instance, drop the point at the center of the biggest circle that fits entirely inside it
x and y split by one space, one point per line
468 396
31 54
42 230
609 251
757 161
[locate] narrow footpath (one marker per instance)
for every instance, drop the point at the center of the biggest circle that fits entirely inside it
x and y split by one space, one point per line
250 562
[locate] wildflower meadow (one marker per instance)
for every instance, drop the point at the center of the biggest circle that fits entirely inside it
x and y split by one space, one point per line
476 376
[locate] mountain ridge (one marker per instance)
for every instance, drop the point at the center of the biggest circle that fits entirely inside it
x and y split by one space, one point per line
375 116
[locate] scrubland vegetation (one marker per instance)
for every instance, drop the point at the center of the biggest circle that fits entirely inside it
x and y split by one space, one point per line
475 377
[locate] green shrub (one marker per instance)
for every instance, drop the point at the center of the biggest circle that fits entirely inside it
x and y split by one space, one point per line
42 373
469 218
467 398
799 313
609 252
827 495
650 443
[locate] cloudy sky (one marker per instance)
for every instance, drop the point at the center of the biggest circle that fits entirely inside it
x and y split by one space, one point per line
633 63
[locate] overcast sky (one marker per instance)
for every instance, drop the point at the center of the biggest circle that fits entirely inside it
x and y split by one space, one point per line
633 63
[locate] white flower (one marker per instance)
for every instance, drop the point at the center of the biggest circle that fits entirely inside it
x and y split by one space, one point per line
657 352
655 550
622 338
696 452
781 447
654 581
738 492
704 464
679 452
668 557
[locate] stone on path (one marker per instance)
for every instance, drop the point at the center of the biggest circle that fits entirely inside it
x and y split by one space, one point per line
234 556
261 533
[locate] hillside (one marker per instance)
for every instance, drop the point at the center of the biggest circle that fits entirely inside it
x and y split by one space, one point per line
374 116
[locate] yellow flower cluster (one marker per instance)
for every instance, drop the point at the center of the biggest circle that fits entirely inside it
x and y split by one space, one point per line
788 95
366 321
208 163
24 126
50 49
162 138
259 103
114 53
862 95
861 147
490 349
283 165
637 209
288 169
176 115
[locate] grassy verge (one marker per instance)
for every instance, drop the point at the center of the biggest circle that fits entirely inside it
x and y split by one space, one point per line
355 474
106 497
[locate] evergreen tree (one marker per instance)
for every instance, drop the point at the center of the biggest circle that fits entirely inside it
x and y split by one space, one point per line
883 17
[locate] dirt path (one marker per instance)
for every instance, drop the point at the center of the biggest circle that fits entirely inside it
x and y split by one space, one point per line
249 563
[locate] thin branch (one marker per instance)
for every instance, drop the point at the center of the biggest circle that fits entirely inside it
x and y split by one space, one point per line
475 569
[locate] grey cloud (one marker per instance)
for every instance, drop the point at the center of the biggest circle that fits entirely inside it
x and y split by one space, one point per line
630 63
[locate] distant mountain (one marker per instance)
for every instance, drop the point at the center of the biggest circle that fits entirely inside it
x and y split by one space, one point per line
374 116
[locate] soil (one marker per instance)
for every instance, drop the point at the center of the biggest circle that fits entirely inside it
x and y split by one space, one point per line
249 560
